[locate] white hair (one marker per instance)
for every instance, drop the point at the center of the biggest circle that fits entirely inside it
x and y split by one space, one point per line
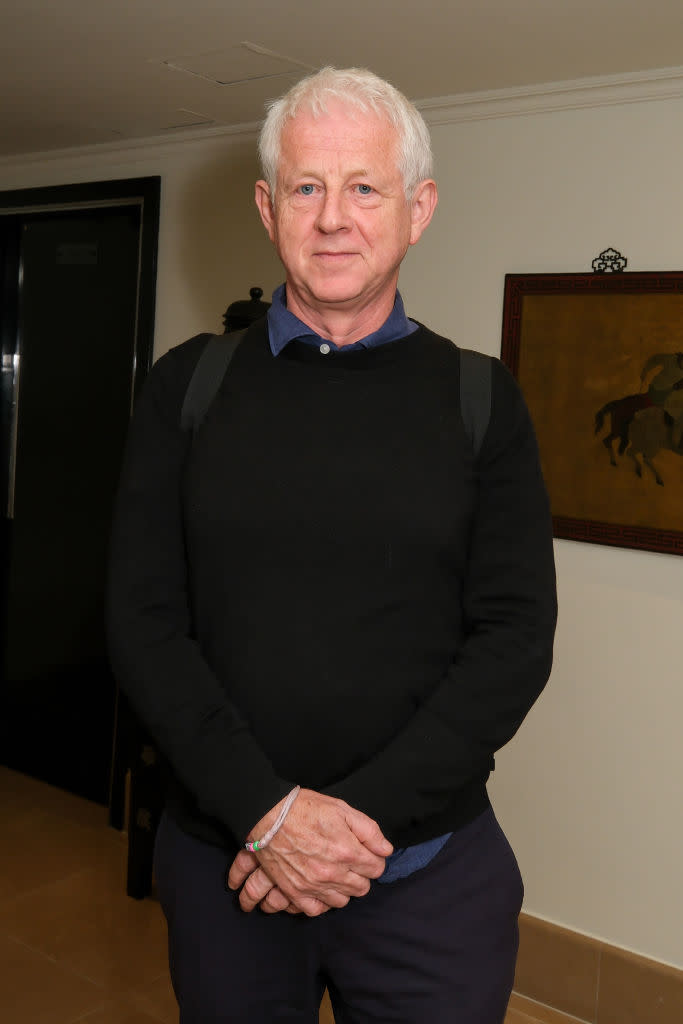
354 87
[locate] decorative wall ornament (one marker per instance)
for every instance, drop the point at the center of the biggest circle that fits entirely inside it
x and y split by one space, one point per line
599 357
241 314
609 262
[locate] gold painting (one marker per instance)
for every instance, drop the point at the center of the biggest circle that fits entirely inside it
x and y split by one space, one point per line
599 358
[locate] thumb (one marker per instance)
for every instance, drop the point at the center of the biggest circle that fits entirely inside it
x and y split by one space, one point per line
242 866
368 833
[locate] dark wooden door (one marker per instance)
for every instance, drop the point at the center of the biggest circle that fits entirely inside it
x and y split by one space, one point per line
71 282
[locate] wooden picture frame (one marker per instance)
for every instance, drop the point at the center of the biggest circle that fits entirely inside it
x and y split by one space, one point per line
599 358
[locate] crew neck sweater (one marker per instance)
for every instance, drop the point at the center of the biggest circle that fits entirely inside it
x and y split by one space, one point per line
283 328
408 589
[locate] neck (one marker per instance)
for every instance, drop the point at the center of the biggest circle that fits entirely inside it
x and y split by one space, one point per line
342 324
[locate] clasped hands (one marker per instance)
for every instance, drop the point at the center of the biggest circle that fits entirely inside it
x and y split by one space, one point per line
324 853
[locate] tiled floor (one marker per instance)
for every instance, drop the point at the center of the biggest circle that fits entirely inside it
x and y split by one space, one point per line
74 949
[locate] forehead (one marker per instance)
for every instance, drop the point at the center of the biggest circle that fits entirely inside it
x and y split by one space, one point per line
342 133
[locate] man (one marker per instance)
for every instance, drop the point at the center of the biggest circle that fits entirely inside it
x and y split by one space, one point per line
326 588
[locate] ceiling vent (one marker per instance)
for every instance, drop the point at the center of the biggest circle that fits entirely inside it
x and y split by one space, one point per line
245 62
190 119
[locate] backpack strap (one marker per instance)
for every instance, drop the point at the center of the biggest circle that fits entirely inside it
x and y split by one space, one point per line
213 363
475 395
205 381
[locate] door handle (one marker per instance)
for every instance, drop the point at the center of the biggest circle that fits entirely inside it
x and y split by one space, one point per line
10 365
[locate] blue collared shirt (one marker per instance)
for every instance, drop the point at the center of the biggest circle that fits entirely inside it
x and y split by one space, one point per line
284 327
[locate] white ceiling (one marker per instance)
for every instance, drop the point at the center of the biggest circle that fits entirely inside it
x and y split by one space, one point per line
74 72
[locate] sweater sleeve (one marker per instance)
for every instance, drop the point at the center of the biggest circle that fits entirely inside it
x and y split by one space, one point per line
155 659
510 610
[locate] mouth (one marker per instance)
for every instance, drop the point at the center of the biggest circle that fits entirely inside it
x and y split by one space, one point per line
334 257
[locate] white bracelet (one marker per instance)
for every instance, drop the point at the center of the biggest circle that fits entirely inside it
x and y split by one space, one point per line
259 844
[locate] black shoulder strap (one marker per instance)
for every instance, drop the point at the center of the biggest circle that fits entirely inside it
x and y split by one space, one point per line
475 395
475 385
205 381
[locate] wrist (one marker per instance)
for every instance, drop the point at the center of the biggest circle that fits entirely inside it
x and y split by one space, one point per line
270 824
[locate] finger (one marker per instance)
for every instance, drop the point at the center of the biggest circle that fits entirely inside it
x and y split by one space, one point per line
242 866
334 898
361 859
355 874
329 882
309 906
274 902
256 887
312 906
368 833
357 847
368 868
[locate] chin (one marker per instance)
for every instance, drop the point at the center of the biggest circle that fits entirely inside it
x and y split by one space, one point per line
336 291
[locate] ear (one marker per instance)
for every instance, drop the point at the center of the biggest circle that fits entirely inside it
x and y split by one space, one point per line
265 207
422 207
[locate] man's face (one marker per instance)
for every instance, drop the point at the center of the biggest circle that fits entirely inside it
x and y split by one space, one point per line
341 221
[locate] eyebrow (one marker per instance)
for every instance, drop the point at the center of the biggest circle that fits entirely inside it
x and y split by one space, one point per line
360 172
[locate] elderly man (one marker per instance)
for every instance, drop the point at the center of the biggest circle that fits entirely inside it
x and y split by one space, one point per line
331 611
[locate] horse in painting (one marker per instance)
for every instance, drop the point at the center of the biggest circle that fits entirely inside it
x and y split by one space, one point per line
643 429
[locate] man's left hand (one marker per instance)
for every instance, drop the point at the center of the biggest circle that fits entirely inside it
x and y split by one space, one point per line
324 853
257 888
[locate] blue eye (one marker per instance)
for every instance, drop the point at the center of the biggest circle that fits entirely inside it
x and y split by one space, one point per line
365 190
307 190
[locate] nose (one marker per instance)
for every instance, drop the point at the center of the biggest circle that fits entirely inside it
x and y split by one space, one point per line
333 214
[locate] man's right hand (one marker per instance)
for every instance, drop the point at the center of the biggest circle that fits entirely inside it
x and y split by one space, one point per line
324 853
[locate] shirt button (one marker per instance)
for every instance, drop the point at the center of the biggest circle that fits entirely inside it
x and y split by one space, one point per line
324 348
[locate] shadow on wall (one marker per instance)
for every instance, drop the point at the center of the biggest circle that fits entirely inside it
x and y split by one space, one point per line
224 247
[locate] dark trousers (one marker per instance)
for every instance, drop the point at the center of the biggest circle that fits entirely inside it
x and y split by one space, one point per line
438 945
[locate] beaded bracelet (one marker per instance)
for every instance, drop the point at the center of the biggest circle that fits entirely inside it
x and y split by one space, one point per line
259 844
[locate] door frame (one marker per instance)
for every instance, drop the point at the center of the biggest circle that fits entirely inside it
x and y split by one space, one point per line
144 192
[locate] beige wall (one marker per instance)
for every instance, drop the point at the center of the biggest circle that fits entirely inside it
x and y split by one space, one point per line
212 247
590 791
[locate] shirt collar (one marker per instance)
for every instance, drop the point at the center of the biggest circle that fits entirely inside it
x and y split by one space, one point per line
284 326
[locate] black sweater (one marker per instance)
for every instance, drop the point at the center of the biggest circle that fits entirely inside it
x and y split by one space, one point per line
323 588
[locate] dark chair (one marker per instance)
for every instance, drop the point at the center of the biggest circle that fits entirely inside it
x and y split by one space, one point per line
136 763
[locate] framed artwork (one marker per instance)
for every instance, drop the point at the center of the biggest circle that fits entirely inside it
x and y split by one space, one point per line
599 358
